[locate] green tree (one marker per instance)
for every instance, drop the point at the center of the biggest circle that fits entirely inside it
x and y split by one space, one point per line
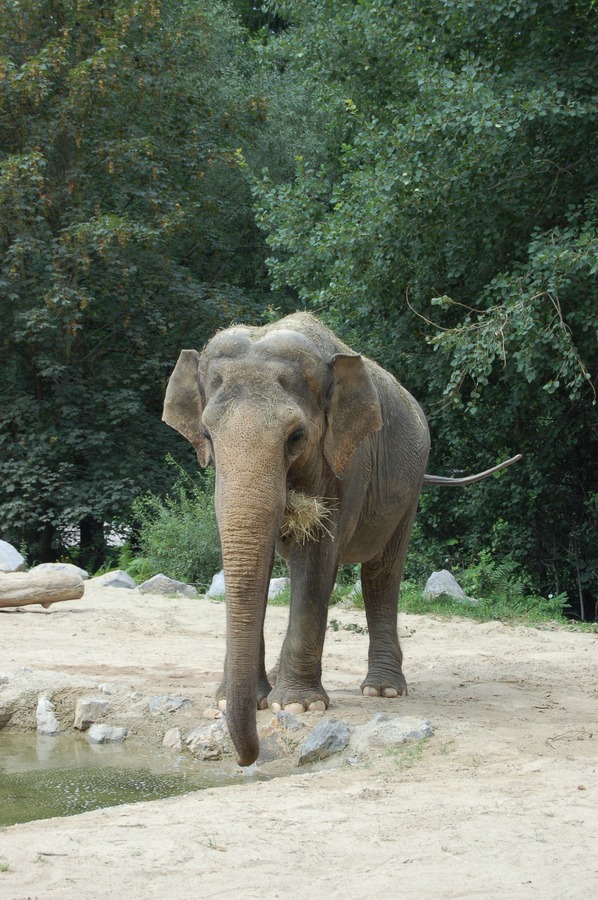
126 232
448 227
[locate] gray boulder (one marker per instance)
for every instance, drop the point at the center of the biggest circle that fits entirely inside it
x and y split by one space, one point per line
161 584
279 737
327 738
116 579
10 558
443 582
61 567
210 742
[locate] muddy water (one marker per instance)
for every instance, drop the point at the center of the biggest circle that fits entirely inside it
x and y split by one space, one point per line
41 777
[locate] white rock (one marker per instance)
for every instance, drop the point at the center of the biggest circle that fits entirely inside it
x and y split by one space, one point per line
173 739
10 558
116 579
61 567
277 586
88 710
217 587
382 733
443 582
47 723
102 734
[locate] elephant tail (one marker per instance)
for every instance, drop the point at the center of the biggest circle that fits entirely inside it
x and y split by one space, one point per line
469 479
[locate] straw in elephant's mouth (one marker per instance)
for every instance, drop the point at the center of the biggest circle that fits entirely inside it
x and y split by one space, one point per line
304 518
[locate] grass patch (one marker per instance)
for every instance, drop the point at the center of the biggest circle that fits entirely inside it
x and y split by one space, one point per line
407 755
283 598
512 608
516 609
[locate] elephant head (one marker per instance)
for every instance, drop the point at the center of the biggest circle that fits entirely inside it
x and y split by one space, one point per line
272 410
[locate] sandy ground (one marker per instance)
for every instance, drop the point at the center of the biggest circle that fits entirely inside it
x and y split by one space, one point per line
502 801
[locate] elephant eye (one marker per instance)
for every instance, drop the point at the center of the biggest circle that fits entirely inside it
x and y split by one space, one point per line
295 438
206 434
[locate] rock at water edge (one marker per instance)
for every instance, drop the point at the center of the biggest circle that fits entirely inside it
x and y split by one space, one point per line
47 723
327 738
88 710
102 734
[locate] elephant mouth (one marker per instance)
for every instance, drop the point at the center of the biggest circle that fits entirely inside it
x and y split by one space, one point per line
304 518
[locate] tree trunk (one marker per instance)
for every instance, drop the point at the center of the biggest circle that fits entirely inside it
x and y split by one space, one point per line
92 543
25 588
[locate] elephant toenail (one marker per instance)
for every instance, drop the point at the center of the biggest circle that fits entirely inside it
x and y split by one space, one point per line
370 691
295 708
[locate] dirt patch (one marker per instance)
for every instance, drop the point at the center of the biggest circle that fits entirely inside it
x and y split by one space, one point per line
501 801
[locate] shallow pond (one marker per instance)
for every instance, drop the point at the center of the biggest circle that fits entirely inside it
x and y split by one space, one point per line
41 777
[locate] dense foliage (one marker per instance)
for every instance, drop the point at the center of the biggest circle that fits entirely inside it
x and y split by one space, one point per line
178 535
450 229
125 233
423 175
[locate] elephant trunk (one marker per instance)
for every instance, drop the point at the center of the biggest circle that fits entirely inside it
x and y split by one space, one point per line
249 521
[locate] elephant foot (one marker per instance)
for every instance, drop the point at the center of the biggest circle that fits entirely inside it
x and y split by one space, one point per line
379 684
298 700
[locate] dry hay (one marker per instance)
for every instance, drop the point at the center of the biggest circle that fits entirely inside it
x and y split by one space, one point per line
304 517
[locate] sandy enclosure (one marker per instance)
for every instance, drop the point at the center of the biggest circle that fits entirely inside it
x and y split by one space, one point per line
502 801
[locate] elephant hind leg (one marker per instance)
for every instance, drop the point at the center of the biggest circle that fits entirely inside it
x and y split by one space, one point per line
380 581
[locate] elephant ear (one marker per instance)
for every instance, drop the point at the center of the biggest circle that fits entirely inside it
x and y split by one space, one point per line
183 405
353 410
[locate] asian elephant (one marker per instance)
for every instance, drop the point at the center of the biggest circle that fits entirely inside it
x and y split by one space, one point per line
320 455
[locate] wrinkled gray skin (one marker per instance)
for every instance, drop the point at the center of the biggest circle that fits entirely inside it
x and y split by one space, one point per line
290 406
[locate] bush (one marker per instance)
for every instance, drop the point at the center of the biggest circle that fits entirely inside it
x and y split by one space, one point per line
178 535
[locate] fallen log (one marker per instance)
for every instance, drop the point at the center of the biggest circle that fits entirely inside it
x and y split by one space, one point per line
25 588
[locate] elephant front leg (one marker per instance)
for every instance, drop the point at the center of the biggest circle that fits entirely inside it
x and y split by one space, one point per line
298 685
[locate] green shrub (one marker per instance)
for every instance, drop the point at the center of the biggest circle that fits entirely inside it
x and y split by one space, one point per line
178 535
